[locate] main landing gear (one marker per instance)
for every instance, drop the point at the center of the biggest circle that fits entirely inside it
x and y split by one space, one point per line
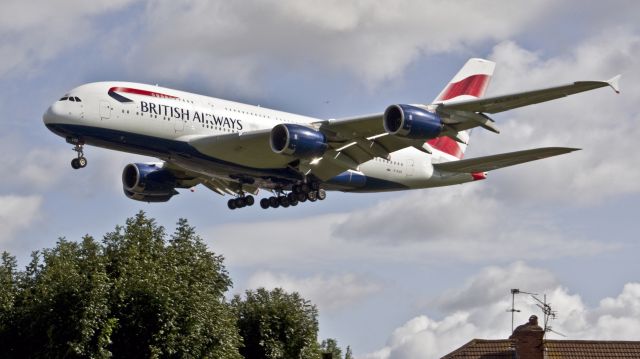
240 202
80 161
299 194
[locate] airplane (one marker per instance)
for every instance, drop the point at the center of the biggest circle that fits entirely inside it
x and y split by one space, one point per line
238 149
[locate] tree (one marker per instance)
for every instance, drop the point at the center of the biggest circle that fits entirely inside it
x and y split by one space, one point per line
275 324
330 346
348 354
169 299
136 294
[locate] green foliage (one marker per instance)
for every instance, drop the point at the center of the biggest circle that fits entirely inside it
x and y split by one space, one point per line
348 354
142 293
136 294
330 346
275 324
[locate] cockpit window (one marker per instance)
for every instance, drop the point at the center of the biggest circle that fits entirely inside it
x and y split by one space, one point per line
71 98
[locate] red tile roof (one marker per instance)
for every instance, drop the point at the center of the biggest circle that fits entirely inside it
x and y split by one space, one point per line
587 349
554 349
484 349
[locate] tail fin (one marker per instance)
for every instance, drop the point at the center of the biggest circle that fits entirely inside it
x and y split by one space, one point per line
469 83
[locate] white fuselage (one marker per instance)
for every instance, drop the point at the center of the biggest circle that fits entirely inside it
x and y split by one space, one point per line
160 122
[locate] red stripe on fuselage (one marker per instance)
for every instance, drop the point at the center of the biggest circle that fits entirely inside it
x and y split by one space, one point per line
140 92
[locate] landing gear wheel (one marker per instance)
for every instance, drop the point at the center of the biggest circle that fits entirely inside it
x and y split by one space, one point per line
322 194
75 163
232 204
315 186
284 201
249 200
305 188
264 203
82 161
301 197
273 202
240 202
311 196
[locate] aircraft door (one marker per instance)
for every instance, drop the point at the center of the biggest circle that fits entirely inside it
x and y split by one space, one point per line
105 110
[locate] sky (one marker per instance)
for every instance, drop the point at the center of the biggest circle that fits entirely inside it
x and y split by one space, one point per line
399 275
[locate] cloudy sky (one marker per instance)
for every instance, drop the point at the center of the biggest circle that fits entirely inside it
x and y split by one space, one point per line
397 275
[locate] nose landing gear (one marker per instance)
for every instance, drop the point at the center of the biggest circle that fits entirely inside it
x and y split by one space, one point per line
80 161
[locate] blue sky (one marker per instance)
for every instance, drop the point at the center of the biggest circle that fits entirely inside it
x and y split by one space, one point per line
395 275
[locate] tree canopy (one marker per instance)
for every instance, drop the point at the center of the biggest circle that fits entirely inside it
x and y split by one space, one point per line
140 292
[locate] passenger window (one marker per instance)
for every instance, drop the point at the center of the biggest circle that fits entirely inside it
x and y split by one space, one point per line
64 99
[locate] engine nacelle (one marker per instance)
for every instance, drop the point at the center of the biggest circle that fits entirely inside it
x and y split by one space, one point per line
148 182
297 140
412 122
150 198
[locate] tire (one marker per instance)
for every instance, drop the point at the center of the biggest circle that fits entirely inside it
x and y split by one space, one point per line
240 202
304 188
273 202
249 200
231 204
284 201
264 203
311 196
322 194
82 162
75 164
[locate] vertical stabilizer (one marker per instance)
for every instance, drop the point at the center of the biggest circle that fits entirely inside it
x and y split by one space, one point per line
470 82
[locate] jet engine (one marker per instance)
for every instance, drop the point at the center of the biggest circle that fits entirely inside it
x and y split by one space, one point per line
297 140
412 122
148 182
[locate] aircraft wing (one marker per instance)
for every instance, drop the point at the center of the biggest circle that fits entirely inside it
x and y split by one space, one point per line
187 179
494 162
352 141
507 102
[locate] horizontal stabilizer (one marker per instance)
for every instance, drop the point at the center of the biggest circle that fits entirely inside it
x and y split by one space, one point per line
493 162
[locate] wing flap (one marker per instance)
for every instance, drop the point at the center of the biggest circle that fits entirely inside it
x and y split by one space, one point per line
493 162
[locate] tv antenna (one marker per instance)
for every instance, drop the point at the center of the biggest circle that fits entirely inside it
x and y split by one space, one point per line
513 309
549 314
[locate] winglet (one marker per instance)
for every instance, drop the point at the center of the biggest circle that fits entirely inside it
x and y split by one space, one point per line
614 82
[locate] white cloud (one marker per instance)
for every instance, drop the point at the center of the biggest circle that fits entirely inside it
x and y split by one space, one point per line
33 168
478 314
371 40
465 223
331 292
34 32
16 214
600 122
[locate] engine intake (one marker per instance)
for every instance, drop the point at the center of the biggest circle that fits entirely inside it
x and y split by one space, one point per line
148 182
412 122
297 140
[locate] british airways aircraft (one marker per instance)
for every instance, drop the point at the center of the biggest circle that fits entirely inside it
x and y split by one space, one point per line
238 149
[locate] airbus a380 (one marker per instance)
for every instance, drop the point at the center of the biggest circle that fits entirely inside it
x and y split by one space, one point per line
238 149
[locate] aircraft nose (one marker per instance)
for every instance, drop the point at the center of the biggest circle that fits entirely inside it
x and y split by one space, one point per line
53 114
